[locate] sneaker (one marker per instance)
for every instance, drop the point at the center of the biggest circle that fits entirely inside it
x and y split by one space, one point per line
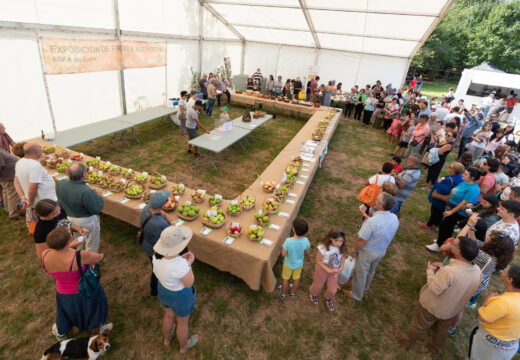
282 296
55 333
451 331
423 224
313 298
433 247
293 295
330 304
471 305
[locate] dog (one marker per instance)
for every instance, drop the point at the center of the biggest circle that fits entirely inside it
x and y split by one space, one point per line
90 348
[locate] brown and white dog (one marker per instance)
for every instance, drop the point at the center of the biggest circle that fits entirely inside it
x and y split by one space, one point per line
89 348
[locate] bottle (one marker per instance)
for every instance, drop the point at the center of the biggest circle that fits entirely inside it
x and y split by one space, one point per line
43 135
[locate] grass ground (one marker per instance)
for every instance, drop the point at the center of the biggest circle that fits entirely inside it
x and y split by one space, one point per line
438 88
233 321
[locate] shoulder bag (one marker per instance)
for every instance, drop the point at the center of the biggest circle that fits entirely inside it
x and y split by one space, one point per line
140 233
89 279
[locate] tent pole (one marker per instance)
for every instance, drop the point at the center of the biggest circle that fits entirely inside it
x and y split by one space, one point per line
277 60
44 76
121 75
243 56
317 57
403 79
201 9
166 72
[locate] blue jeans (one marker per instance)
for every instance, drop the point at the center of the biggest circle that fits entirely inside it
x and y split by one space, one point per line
485 111
462 147
211 104
397 207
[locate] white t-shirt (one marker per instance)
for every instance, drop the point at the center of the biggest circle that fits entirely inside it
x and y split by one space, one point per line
169 272
450 116
331 257
191 102
488 101
512 230
441 113
481 136
31 171
381 179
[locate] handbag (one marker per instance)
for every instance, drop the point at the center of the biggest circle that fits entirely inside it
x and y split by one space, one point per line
414 142
140 233
348 269
89 279
369 193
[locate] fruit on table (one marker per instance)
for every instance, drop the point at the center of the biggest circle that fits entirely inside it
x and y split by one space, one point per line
290 170
170 203
248 200
255 233
115 169
62 154
104 167
141 177
92 162
215 200
63 166
76 157
234 230
156 181
177 189
215 215
188 209
93 177
135 189
270 205
281 191
48 149
269 186
262 217
197 195
126 173
234 208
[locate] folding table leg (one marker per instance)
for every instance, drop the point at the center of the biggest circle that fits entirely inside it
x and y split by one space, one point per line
211 162
246 141
123 137
241 145
135 136
113 137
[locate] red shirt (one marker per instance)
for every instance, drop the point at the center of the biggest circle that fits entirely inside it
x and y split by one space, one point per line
413 83
5 141
398 168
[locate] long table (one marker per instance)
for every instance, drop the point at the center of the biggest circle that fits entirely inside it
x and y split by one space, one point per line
243 98
119 124
249 260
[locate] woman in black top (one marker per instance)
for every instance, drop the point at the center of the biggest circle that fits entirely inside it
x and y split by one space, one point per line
51 216
444 148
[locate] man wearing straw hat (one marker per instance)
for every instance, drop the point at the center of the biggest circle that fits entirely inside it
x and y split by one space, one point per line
176 291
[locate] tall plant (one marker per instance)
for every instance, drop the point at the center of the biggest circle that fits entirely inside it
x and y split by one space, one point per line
195 77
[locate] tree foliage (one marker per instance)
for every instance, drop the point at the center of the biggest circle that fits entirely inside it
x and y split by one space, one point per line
471 33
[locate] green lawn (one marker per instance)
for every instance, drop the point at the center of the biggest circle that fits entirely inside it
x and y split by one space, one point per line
438 88
233 321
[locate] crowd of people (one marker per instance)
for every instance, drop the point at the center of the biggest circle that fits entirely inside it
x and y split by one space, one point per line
475 211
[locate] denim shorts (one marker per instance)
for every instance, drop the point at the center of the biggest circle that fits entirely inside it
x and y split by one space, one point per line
182 302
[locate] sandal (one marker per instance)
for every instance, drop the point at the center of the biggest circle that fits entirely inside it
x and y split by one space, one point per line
330 304
313 298
193 341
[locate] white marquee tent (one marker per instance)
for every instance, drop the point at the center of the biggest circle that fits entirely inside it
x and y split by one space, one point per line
354 42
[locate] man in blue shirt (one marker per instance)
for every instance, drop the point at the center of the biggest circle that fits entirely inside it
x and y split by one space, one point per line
374 237
474 123
153 221
406 181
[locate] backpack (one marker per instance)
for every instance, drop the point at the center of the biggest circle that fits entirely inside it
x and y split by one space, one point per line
369 194
89 279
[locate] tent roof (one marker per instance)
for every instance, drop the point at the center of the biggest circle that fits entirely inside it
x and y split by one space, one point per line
487 66
396 28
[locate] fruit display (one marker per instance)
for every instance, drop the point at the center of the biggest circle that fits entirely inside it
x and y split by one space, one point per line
270 205
258 114
93 177
215 200
255 233
187 211
76 157
104 167
177 189
48 149
92 162
105 182
214 217
281 192
62 167
291 170
53 163
261 217
116 186
44 160
297 163
114 170
134 191
234 229
64 154
146 197
317 135
157 182
234 209
269 186
126 173
141 179
247 201
170 204
198 196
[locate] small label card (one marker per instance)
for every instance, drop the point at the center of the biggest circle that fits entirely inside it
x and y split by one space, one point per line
229 240
291 194
234 202
288 201
98 158
274 227
140 206
54 174
108 163
283 214
305 169
305 165
218 196
300 182
203 192
304 176
123 180
266 242
62 177
179 222
107 194
145 173
205 230
164 177
153 191
124 200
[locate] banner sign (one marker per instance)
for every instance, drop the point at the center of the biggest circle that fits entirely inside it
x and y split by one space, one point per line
227 64
313 71
69 56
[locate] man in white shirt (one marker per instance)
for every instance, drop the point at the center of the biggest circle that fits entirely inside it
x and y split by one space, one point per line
442 111
487 102
32 182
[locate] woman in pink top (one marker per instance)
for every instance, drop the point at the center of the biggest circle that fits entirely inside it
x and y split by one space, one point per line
59 261
418 134
487 182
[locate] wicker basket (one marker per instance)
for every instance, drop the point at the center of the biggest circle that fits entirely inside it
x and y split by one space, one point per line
197 199
142 182
247 207
234 214
114 173
261 223
206 222
169 209
64 154
128 184
317 105
238 91
236 236
187 218
269 212
157 187
255 239
176 190
49 151
116 187
109 180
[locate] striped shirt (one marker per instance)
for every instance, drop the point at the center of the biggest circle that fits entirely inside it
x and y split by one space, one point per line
5 141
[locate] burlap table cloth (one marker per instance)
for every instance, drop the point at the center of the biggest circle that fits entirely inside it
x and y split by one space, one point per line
243 98
246 259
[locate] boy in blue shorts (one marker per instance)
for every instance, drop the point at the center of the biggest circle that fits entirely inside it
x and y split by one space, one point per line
293 251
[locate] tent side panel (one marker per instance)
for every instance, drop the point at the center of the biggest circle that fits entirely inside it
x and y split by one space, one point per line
145 88
182 55
261 56
340 66
386 69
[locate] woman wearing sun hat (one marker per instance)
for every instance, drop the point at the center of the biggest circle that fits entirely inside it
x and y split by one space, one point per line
176 291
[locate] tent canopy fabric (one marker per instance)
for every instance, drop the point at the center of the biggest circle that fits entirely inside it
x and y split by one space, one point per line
487 66
353 42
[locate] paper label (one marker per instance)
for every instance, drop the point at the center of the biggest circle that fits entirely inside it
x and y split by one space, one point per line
100 173
145 173
69 161
217 196
152 191
266 242
90 168
140 206
270 200
235 224
205 230
98 158
228 126
283 214
252 226
300 182
54 174
288 201
107 194
203 192
123 180
305 165
208 213
108 163
284 177
214 212
163 177
229 240
188 202
234 202
124 200
274 227
260 212
130 171
181 186
179 222
304 176
81 154
305 170
291 195
61 178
